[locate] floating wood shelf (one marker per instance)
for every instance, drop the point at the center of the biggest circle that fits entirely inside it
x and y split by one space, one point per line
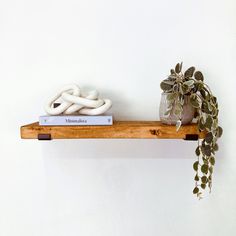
119 130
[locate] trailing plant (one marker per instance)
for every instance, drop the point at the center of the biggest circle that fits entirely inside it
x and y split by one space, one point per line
191 83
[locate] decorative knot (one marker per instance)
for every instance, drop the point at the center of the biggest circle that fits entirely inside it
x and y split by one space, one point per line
74 100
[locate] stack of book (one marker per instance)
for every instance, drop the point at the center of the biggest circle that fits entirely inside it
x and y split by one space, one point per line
68 120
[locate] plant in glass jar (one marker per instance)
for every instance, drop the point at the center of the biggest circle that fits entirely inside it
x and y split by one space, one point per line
186 96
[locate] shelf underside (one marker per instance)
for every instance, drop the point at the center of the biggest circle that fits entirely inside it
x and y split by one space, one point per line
119 130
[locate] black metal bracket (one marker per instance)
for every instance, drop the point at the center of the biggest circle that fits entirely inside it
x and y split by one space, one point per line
191 137
44 137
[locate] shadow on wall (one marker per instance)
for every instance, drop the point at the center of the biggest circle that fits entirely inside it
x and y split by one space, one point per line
118 148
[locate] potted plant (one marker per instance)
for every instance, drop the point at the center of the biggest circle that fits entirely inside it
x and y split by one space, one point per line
186 96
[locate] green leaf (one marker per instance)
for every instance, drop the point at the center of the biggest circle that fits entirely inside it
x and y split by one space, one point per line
211 169
209 185
204 179
176 88
197 151
199 85
185 88
206 150
216 112
205 107
180 89
212 161
177 68
165 86
216 147
189 72
198 75
210 107
195 165
203 93
196 178
209 122
201 125
194 101
204 168
169 81
181 100
195 190
171 96
209 137
219 132
189 83
203 186
215 124
214 99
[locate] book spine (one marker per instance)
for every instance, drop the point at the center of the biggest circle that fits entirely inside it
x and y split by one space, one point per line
75 120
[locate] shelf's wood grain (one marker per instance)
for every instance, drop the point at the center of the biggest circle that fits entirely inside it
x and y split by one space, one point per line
119 130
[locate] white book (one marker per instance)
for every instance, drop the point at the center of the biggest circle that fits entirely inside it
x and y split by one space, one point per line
75 120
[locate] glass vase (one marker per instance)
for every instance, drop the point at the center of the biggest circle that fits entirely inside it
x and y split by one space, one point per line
171 119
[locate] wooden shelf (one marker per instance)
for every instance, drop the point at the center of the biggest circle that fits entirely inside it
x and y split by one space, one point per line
119 130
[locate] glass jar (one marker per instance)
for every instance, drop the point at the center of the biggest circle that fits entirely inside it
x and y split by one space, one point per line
171 119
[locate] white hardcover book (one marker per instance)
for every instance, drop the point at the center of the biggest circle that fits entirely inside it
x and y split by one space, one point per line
75 120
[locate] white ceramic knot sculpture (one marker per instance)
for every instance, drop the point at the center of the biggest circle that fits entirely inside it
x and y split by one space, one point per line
74 100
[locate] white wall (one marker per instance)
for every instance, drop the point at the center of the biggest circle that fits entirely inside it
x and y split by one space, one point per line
124 49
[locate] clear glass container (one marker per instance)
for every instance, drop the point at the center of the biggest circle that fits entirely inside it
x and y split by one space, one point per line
171 119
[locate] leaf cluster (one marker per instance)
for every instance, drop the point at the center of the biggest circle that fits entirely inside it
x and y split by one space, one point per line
191 83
